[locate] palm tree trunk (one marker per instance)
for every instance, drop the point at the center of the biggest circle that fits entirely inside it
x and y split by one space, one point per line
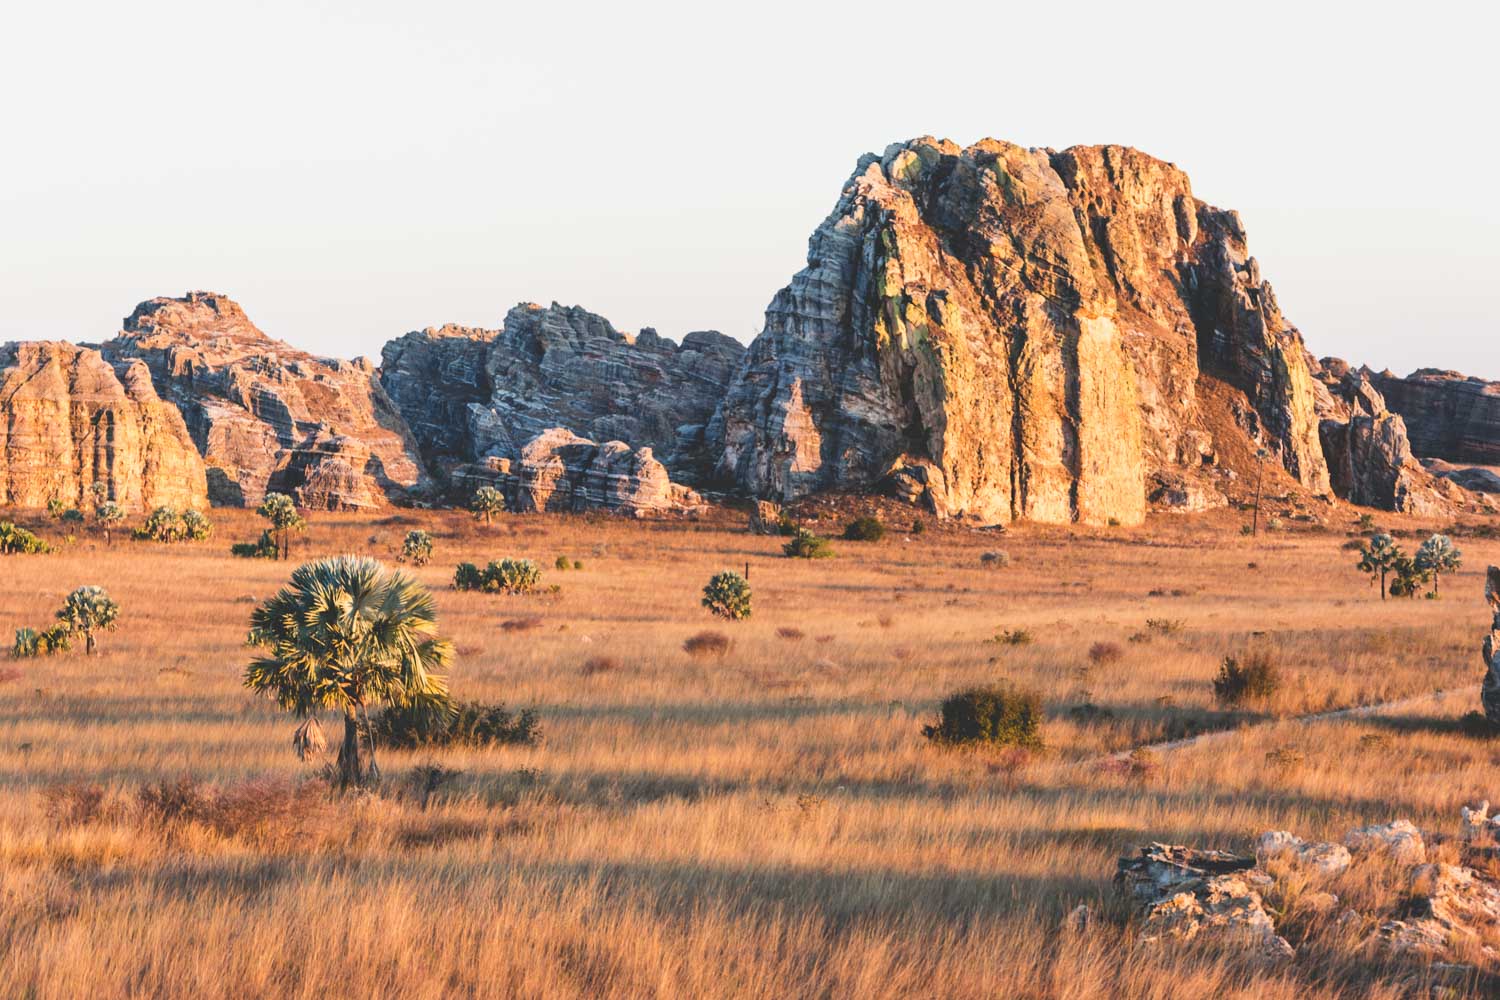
88 643
351 773
374 768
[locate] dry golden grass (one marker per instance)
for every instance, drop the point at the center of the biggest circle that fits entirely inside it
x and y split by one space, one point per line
768 823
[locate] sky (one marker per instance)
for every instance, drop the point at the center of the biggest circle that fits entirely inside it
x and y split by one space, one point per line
349 171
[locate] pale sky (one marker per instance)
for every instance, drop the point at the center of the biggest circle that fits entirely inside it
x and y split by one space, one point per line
351 170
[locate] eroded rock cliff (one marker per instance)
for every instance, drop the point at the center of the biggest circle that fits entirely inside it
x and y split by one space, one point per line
268 417
1012 333
1449 416
70 419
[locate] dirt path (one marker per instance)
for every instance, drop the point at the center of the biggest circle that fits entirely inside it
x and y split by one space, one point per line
1359 711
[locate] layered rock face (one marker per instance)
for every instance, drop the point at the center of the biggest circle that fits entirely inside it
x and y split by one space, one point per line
1009 333
560 472
69 419
1449 416
267 417
1370 460
470 395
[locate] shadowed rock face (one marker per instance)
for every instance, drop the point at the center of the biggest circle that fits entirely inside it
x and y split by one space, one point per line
1449 416
1370 461
1013 333
268 417
559 471
474 394
70 419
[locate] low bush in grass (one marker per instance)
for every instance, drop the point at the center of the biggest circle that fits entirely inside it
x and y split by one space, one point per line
995 560
996 716
706 645
416 548
508 576
806 545
728 596
1104 653
464 723
42 642
1252 676
864 529
15 540
263 548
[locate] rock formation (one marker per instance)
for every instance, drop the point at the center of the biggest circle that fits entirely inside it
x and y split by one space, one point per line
1449 416
471 395
559 471
1370 461
1011 333
69 419
1186 894
268 417
1491 649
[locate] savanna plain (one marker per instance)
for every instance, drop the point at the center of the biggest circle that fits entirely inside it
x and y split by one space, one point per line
766 820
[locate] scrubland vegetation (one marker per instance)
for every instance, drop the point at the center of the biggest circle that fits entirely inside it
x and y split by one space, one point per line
639 798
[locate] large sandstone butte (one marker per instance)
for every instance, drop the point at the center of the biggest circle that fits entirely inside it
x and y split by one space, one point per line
472 395
70 420
1013 333
268 417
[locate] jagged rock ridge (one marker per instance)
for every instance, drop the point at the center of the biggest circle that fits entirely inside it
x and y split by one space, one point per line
1011 333
69 419
266 416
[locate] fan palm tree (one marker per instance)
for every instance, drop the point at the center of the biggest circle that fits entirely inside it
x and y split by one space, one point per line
486 504
344 634
281 511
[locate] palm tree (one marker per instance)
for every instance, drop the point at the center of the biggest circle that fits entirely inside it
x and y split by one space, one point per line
345 634
1438 556
108 515
486 503
1379 559
89 610
281 511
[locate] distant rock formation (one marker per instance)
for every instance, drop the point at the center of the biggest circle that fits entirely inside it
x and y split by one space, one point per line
1369 458
1007 333
558 471
1449 416
69 419
268 417
473 394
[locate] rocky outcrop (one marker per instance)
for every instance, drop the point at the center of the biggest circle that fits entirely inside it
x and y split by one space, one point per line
1490 693
268 417
1370 461
1185 894
560 472
1009 333
1449 416
69 420
471 395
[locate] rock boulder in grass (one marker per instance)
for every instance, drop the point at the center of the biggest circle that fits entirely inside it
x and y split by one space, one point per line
1000 333
267 417
69 419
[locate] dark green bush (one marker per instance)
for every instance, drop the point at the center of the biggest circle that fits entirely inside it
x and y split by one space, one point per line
918 526
806 545
464 723
864 529
1000 715
1253 677
265 548
508 576
728 595
467 577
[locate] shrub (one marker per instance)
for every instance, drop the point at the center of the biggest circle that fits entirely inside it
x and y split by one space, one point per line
995 560
72 516
30 642
465 723
1165 626
195 527
265 548
578 564
706 644
864 529
728 596
562 562
599 665
27 643
168 524
15 540
1013 637
1104 653
508 576
416 548
1253 677
999 715
521 624
791 634
918 526
786 527
806 545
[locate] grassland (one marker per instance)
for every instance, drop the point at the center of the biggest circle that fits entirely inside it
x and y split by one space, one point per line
768 823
